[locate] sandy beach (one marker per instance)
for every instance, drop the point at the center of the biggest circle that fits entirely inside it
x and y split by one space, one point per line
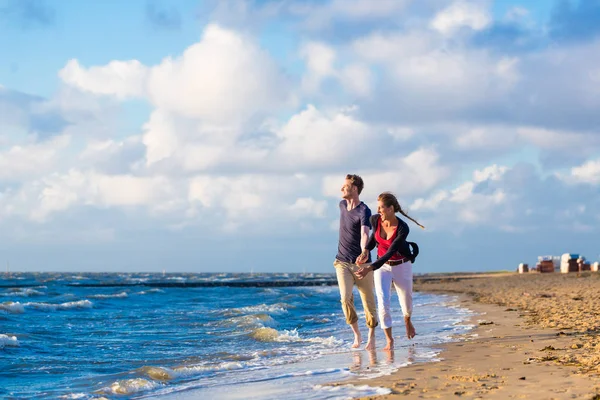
535 337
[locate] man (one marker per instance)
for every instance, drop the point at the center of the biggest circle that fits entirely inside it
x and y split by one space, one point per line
354 234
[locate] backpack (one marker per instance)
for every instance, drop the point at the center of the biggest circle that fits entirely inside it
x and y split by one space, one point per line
413 251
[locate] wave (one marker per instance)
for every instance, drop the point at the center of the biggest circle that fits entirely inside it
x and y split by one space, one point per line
12 307
26 292
75 396
154 290
157 373
246 322
130 386
353 391
279 308
8 341
265 334
109 296
196 369
63 306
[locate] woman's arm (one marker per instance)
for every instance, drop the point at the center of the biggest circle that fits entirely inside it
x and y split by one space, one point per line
396 245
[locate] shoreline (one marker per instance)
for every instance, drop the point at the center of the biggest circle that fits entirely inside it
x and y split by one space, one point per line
528 341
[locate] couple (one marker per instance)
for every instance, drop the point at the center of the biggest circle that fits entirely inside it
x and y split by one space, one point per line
393 265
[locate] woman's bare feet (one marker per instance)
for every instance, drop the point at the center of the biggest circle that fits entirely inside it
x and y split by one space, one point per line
410 329
389 345
389 337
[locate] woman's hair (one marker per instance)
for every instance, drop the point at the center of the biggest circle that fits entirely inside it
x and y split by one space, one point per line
389 200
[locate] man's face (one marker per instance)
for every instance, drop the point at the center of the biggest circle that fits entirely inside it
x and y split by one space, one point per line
348 189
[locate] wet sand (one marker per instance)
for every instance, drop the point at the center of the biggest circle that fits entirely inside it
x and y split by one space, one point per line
536 336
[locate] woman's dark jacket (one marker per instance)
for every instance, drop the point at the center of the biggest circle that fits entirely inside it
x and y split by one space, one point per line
399 245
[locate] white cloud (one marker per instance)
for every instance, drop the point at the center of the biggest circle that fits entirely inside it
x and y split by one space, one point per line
557 139
463 204
586 173
414 174
492 172
21 162
321 15
313 138
357 79
308 206
240 81
319 59
429 78
56 192
160 137
246 198
112 156
460 14
486 137
401 133
123 79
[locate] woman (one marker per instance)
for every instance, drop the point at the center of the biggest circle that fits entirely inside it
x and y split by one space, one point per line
393 264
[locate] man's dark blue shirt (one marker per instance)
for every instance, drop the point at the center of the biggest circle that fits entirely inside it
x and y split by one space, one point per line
350 230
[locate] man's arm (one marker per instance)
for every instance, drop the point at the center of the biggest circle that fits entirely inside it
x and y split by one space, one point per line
364 236
365 242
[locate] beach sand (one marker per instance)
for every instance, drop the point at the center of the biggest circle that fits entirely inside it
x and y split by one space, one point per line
535 337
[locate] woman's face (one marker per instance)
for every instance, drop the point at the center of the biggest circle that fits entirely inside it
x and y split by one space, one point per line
385 212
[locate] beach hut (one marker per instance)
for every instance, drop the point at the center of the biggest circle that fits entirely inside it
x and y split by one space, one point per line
523 268
583 265
594 267
568 263
545 264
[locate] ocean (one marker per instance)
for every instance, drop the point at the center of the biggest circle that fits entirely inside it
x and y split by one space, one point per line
188 336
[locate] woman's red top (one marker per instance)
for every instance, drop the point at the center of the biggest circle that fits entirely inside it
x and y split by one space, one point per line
384 244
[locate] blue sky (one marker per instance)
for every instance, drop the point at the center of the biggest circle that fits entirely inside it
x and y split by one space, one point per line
214 136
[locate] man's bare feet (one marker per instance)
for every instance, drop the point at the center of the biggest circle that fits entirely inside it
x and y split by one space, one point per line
371 342
357 341
410 329
389 345
357 336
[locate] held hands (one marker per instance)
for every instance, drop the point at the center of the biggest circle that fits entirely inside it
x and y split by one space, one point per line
363 271
362 258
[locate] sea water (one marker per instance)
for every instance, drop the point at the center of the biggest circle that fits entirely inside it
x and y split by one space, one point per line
92 336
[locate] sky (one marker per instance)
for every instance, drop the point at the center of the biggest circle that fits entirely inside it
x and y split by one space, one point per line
214 136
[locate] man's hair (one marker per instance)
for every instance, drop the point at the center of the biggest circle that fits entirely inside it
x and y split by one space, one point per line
356 181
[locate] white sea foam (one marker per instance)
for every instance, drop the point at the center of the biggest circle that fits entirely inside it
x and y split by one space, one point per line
265 334
26 292
109 296
8 341
271 291
264 308
154 290
196 369
249 321
330 341
130 386
74 396
312 372
12 307
63 306
353 391
157 373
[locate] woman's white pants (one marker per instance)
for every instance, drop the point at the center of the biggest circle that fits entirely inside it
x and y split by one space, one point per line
402 278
